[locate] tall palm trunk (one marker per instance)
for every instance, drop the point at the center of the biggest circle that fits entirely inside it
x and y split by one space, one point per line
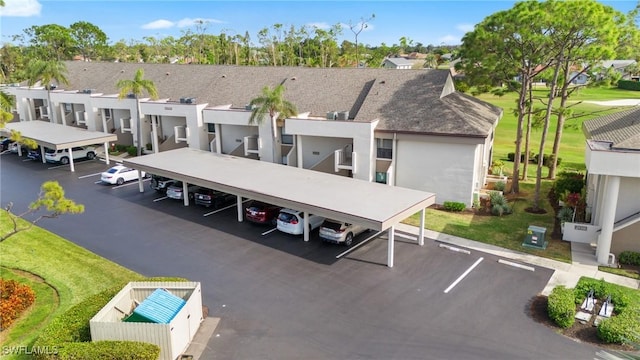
527 138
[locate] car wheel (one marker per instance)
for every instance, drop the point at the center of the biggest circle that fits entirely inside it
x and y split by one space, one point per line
349 239
64 160
120 181
91 155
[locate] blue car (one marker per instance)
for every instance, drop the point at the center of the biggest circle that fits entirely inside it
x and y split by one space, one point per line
35 154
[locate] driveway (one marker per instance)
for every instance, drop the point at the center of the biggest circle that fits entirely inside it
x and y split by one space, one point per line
281 298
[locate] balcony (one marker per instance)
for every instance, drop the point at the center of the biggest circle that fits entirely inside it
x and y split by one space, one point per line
125 125
251 145
81 117
345 159
181 133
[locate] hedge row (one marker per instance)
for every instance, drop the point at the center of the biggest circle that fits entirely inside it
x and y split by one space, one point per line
453 206
561 306
629 258
70 334
629 85
14 299
546 158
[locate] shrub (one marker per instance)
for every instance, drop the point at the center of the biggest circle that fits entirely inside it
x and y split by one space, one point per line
454 206
499 205
571 182
132 150
620 328
109 350
499 186
546 159
14 299
629 258
511 156
121 148
565 214
561 307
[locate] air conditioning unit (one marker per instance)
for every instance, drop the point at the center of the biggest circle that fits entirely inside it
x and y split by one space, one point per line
87 91
249 107
332 115
343 115
187 100
131 96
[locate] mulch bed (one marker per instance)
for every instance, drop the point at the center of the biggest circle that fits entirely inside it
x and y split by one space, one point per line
586 333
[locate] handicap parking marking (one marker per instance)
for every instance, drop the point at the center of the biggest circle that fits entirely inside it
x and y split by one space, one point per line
160 198
90 175
464 274
269 231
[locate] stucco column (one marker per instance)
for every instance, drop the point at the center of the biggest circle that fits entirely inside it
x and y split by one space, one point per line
73 168
154 130
239 208
103 116
597 207
185 193
299 150
44 160
140 183
106 153
612 186
390 235
306 226
217 127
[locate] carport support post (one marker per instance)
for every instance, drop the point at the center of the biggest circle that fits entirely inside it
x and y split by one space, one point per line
239 207
106 152
73 168
390 247
44 161
421 230
140 183
185 193
306 226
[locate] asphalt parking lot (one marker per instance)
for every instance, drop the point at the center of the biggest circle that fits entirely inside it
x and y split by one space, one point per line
281 298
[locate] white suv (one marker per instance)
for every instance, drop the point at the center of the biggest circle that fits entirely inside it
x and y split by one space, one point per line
62 156
339 232
292 221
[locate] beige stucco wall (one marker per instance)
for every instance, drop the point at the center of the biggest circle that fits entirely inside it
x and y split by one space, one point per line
626 239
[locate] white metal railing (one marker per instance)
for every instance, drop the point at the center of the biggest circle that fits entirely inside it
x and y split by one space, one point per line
81 117
212 145
44 112
181 133
345 160
251 145
125 125
390 181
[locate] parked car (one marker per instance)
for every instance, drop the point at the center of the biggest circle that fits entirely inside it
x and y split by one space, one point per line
13 147
160 183
208 197
262 213
119 174
35 154
4 144
175 191
339 232
62 155
292 221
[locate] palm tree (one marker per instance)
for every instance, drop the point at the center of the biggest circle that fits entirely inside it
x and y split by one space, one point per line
138 86
45 72
271 102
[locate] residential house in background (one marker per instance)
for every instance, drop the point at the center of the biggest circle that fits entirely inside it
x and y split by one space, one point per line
402 128
397 63
613 185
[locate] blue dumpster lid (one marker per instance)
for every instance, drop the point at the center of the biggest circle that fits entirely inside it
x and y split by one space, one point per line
159 307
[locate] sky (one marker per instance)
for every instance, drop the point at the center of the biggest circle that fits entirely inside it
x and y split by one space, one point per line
427 22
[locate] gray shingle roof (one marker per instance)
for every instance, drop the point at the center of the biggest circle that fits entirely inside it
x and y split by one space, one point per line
404 101
622 129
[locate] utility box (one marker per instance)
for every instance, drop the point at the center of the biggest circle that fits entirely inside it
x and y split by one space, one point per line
535 238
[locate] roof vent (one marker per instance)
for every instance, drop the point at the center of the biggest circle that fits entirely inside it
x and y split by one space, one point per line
224 76
187 100
87 91
343 115
131 96
249 107
332 115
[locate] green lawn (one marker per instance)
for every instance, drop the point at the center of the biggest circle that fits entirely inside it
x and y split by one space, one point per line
68 275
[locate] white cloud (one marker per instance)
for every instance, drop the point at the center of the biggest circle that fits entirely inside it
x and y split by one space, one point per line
22 8
449 40
319 25
159 24
465 28
190 22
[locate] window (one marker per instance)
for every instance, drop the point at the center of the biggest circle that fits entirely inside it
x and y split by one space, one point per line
211 128
385 148
287 139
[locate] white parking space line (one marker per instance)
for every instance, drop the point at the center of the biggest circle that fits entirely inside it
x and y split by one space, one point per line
453 248
269 231
223 209
160 198
86 176
98 182
463 275
514 264
27 160
128 184
360 244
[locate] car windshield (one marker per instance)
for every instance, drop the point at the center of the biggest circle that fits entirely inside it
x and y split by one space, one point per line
286 217
332 225
50 151
257 207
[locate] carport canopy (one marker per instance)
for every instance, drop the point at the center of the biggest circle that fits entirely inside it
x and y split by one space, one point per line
377 206
57 136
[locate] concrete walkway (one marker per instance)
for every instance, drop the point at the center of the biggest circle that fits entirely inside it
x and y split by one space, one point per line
583 260
621 102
